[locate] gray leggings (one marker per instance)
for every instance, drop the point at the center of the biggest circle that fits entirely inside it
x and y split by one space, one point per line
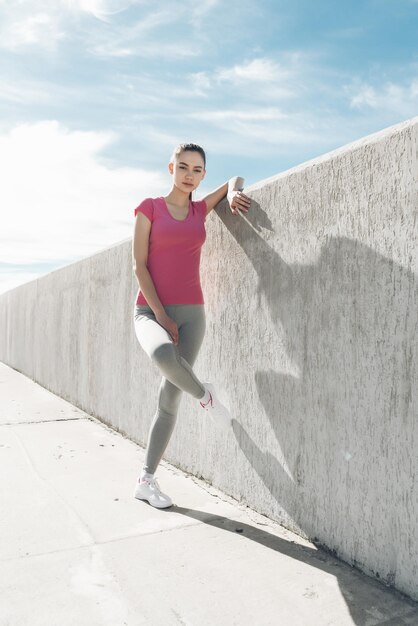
175 363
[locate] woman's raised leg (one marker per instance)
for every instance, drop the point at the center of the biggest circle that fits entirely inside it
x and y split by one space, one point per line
191 323
157 343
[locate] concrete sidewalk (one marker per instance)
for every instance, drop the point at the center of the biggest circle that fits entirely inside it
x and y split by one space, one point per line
77 549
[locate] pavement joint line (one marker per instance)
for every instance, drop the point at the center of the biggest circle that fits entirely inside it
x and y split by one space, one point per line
104 542
63 419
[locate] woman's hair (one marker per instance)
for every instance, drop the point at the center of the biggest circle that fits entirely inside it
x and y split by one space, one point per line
193 147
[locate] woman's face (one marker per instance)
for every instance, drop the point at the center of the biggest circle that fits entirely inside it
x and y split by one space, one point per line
188 170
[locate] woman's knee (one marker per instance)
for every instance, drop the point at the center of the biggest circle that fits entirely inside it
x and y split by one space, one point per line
164 355
166 414
169 397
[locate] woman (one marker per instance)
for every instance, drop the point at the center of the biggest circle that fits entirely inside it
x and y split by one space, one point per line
169 313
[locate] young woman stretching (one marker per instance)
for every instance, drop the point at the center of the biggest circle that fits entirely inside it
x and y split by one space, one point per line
169 314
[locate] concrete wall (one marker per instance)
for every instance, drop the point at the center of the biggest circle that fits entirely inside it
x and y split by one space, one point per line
312 320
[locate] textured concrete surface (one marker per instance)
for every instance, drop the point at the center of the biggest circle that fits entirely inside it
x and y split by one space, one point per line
312 319
76 548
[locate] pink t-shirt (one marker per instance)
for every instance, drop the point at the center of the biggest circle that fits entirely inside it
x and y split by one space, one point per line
174 251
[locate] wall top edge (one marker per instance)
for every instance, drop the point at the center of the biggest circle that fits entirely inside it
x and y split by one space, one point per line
346 148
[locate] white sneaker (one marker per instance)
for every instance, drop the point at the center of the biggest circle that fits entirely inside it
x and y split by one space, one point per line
149 489
218 411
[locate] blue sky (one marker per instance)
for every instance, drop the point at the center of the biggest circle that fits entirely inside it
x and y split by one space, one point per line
95 94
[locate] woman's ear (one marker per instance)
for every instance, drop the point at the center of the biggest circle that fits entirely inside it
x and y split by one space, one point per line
170 168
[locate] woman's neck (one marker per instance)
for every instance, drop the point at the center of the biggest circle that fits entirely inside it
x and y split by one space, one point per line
178 198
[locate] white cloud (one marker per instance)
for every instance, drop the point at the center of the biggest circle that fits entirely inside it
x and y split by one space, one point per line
199 11
44 23
26 23
263 130
200 83
393 97
24 91
258 114
140 39
21 30
119 47
258 79
64 201
257 70
102 9
366 95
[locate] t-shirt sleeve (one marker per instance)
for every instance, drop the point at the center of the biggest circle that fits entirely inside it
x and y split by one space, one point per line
203 207
147 208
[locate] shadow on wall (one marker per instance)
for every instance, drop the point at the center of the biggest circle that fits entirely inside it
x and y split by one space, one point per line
350 323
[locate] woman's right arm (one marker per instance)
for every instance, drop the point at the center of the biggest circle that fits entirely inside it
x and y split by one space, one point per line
140 244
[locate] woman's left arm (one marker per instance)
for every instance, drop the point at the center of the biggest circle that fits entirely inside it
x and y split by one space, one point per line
233 190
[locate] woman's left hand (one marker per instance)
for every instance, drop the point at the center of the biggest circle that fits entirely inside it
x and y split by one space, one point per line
238 201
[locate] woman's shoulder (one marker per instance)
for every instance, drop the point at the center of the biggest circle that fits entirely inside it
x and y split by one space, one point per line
146 206
200 206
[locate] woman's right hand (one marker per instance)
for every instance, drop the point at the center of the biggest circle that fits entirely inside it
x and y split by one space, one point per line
170 326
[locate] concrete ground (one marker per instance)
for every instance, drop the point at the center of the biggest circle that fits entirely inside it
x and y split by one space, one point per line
77 549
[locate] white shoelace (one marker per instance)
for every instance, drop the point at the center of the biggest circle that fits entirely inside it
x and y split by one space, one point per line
152 482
